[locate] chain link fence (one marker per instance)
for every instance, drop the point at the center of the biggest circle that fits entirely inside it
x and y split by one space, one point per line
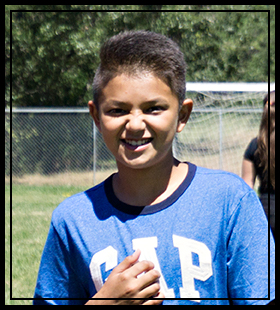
62 146
61 143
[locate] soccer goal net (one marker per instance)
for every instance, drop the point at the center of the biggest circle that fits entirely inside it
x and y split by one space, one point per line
225 117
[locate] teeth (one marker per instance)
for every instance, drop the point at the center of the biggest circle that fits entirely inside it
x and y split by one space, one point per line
137 143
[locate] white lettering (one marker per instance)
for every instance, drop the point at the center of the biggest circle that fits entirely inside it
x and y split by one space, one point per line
147 247
109 256
188 270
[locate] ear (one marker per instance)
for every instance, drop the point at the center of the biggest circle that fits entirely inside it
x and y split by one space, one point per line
184 114
94 113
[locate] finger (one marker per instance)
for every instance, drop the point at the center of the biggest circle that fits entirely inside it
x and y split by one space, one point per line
127 262
149 291
140 267
154 301
150 277
149 284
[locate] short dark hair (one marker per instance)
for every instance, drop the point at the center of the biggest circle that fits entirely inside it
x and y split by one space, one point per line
132 52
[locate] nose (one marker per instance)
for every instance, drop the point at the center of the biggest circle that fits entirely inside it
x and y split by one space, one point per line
135 122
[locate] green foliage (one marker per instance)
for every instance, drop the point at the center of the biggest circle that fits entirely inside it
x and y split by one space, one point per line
55 52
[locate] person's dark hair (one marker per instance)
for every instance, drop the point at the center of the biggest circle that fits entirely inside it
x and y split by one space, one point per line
269 97
133 52
266 139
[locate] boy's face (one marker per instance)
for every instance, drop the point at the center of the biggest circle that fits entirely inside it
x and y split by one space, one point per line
138 118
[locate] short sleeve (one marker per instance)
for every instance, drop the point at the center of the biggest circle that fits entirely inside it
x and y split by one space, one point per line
251 256
56 277
250 150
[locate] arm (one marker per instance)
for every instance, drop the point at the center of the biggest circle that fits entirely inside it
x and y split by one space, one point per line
55 273
124 282
250 262
248 172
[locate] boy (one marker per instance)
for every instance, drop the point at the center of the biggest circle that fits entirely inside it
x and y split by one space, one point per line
158 228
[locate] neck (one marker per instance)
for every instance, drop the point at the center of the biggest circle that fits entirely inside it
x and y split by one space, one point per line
141 187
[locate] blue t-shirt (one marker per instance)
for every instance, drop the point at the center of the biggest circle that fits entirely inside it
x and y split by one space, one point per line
209 241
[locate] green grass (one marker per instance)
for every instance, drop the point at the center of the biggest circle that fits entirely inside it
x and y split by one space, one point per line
32 208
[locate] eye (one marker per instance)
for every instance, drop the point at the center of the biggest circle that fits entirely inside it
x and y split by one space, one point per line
154 109
116 112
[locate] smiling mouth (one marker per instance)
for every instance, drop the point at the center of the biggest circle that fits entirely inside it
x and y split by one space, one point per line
136 143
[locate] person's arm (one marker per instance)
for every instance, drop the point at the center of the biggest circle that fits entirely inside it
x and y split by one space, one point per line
250 261
55 272
248 172
123 282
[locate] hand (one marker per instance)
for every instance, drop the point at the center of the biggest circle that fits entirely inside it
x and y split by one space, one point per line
123 282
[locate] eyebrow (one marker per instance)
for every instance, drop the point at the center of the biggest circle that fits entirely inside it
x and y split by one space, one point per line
152 102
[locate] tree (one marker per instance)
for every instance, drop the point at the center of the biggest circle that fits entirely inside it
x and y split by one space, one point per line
55 52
